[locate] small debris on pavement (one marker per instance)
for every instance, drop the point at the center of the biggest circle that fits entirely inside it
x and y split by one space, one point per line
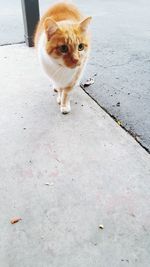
88 82
133 215
101 226
49 184
125 260
76 103
119 122
118 104
15 220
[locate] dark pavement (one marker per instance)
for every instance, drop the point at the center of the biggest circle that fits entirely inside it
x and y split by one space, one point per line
121 59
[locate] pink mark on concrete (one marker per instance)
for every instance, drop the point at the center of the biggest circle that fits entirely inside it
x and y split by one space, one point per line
127 201
22 172
54 173
28 173
47 145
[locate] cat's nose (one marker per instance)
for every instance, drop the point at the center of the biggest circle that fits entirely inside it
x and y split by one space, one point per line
75 60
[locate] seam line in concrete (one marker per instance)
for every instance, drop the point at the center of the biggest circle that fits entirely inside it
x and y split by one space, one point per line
115 119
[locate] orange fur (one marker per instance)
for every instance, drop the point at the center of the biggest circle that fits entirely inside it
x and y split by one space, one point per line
58 12
63 27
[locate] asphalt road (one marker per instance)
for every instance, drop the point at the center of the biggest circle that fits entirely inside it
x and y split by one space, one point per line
120 56
121 59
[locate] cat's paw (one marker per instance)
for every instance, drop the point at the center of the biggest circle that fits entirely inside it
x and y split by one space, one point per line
65 109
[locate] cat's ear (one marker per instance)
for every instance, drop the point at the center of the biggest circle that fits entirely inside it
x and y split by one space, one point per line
84 24
50 27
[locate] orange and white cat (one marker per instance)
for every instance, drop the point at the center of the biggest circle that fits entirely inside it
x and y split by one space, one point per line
63 44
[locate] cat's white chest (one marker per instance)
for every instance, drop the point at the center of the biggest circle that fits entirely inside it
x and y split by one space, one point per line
59 75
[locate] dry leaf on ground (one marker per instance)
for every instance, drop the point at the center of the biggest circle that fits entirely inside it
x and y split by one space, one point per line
15 220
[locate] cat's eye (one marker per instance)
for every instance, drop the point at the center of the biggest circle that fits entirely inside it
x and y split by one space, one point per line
81 47
63 48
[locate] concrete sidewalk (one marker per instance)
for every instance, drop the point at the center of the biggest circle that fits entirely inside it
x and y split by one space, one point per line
96 174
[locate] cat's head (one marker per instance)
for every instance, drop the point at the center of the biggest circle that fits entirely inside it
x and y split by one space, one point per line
67 43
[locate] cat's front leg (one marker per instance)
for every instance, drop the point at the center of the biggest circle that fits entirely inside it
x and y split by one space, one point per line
65 102
59 94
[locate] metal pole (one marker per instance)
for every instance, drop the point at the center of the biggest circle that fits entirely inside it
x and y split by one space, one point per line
30 10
